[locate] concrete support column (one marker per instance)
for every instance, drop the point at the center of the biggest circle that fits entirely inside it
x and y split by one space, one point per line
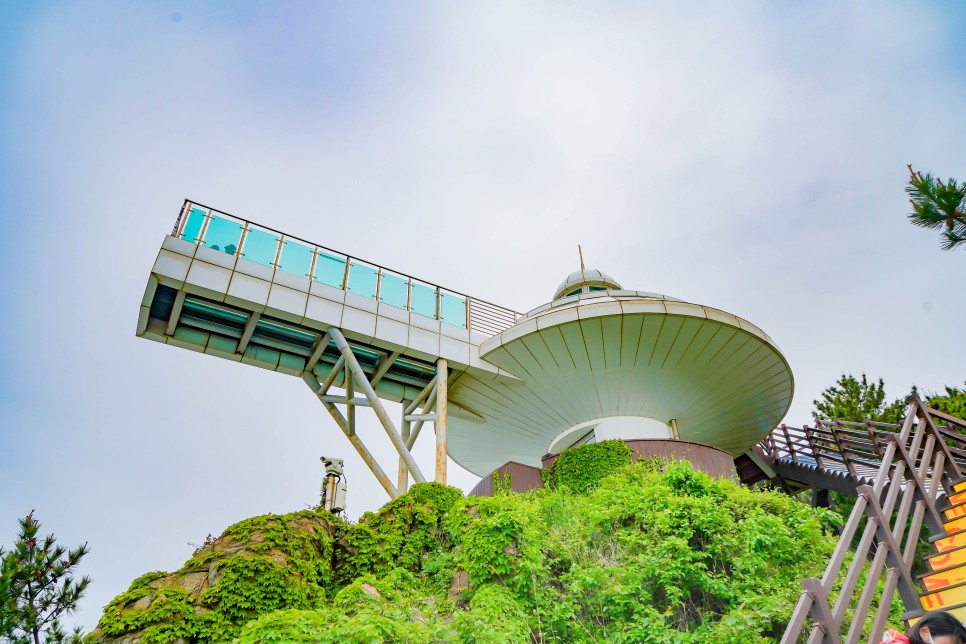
442 376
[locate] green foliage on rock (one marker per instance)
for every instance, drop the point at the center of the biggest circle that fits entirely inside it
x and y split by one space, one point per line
397 536
650 552
259 565
583 468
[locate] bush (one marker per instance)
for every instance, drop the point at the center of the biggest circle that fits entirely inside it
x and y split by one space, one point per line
582 468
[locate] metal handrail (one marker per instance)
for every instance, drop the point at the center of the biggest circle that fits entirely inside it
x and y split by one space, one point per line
481 316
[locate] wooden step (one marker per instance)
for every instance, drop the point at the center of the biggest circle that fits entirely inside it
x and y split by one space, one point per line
959 487
910 618
935 581
948 558
945 598
954 512
956 525
956 499
945 542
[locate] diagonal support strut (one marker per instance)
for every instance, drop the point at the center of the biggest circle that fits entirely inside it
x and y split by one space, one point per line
370 393
357 443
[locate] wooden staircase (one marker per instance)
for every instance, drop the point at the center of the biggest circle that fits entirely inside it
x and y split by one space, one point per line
906 480
944 586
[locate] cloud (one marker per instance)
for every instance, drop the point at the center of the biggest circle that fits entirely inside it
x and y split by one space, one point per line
743 156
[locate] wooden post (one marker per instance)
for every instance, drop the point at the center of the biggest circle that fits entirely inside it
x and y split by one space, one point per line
788 443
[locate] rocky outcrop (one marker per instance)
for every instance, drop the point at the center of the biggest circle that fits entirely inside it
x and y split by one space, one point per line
270 562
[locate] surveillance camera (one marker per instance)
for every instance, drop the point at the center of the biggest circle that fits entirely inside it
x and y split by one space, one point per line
333 466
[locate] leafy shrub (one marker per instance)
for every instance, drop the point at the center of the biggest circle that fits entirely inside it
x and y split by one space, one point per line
583 468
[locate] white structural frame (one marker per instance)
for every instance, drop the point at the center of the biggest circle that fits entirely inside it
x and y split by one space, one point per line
433 401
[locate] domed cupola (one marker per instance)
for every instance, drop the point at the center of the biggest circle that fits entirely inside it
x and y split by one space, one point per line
586 281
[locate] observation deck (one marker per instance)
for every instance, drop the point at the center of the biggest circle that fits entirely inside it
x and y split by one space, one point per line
597 362
231 288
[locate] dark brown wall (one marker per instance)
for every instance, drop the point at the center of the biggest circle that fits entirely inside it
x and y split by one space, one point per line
711 460
523 478
704 458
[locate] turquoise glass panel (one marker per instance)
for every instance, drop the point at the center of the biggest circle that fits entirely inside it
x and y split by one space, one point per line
223 235
452 309
260 247
392 290
192 226
329 270
362 280
424 301
296 258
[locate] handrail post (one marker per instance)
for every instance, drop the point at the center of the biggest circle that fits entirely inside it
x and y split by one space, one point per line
788 444
836 436
873 437
951 469
819 461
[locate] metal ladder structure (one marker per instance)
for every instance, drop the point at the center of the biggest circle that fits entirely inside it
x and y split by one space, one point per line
904 478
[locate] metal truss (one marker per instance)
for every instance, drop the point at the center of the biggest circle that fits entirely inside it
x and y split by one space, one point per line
430 405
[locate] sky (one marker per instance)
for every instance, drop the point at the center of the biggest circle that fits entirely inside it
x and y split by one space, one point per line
749 156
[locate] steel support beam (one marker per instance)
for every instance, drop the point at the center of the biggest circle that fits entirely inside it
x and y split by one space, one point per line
336 370
350 393
428 390
418 427
345 400
381 414
442 381
247 333
403 475
175 313
384 363
360 447
317 352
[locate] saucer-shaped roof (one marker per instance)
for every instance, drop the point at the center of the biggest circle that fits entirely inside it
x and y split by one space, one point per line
620 353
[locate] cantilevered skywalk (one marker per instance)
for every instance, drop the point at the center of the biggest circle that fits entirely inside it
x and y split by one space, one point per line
247 293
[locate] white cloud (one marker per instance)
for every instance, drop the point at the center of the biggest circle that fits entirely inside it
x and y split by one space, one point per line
740 156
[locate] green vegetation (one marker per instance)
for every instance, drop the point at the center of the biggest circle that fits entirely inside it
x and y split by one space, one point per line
953 403
259 565
582 468
858 400
37 587
613 552
938 206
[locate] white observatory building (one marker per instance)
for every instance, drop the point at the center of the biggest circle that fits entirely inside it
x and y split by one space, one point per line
596 362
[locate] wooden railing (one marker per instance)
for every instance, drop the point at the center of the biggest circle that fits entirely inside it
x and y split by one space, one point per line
900 472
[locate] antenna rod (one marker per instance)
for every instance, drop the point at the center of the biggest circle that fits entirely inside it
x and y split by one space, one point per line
581 252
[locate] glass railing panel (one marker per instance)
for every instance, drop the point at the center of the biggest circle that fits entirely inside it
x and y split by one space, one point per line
452 309
261 247
329 270
223 235
393 290
424 300
362 280
191 230
296 258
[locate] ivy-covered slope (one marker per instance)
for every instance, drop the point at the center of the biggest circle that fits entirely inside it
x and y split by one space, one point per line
645 552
